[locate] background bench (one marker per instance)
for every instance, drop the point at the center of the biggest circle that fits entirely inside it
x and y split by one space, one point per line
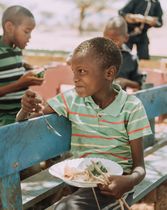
27 143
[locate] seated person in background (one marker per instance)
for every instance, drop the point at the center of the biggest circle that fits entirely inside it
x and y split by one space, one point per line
106 123
141 15
68 59
128 74
17 23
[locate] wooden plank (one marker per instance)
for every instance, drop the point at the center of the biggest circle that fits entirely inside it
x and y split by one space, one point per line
154 100
27 143
10 192
39 187
156 173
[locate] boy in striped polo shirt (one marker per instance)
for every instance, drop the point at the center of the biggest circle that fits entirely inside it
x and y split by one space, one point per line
106 122
17 23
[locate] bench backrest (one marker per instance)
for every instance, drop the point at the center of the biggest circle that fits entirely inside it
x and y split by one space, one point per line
27 143
154 100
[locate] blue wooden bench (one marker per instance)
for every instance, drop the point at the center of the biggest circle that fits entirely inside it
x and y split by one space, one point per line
23 145
27 143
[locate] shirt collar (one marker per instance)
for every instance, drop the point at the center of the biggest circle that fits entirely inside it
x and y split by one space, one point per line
115 107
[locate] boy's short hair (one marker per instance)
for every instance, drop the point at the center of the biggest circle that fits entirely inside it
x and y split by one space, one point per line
118 24
104 51
15 14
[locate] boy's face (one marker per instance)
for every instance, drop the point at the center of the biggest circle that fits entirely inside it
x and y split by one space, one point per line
89 78
116 37
21 33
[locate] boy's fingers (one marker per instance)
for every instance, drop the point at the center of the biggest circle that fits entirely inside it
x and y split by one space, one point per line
30 93
106 193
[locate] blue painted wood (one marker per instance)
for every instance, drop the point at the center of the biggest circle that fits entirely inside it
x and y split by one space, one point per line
154 100
10 192
155 103
26 143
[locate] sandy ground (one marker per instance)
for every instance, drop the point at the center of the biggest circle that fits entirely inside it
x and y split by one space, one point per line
67 40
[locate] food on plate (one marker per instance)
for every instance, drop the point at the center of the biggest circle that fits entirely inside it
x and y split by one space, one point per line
94 172
72 173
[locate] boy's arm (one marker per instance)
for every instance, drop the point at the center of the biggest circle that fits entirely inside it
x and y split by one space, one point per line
119 185
124 83
32 106
23 115
138 172
24 81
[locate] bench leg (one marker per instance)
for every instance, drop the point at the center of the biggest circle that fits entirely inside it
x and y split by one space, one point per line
161 202
155 200
10 192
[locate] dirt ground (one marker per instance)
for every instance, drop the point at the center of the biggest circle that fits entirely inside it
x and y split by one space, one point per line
67 40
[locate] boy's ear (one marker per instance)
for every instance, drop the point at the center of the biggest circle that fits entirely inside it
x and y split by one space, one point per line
110 73
9 27
126 38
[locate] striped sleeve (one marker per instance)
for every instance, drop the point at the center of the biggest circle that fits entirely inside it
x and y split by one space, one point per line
60 103
138 125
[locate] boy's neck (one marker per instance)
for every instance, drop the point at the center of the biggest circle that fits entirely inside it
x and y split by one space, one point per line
105 100
7 42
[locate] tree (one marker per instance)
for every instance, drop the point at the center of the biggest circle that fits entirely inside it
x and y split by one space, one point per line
84 5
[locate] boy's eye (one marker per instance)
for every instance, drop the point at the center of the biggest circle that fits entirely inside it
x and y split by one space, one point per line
81 71
26 32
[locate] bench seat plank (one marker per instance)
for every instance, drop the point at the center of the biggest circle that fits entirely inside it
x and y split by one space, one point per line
156 173
39 187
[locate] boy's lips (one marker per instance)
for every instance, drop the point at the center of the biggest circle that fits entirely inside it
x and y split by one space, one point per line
79 88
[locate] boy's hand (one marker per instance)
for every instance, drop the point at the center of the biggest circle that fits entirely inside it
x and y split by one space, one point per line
30 79
31 106
117 187
31 103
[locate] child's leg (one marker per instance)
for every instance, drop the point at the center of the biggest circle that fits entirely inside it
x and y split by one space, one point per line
83 199
143 50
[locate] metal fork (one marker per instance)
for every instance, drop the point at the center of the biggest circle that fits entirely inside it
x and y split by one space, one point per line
50 127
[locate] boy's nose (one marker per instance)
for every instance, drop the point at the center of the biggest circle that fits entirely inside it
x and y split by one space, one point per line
75 78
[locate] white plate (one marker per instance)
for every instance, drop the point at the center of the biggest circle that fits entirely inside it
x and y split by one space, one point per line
81 163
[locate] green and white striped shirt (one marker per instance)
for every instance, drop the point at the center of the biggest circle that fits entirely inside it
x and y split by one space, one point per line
11 69
105 132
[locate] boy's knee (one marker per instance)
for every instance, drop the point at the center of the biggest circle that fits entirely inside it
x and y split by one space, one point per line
65 204
60 206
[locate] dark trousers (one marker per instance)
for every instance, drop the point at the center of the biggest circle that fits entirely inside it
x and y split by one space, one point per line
83 199
142 45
